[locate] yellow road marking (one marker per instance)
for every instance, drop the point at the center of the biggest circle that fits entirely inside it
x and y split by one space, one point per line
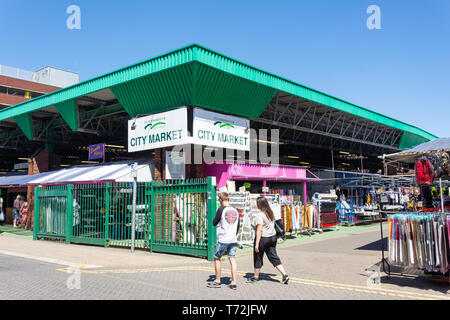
328 284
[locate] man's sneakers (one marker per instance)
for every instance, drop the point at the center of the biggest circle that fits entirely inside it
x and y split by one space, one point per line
285 279
214 284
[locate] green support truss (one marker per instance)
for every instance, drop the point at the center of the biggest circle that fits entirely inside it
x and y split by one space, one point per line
25 124
69 112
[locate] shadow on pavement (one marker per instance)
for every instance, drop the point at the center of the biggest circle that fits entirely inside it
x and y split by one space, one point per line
414 278
248 275
375 246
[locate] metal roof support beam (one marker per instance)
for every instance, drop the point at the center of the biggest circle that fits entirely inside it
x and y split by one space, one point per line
49 124
396 138
303 116
331 135
286 108
313 145
334 124
318 122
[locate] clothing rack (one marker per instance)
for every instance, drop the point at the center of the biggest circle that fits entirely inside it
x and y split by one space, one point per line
317 228
413 248
299 229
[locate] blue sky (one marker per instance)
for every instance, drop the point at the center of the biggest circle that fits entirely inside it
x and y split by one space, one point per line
401 70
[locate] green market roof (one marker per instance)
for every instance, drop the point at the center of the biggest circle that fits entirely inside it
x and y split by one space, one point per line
193 76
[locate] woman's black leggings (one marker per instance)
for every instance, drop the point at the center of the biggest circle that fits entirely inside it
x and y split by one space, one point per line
267 245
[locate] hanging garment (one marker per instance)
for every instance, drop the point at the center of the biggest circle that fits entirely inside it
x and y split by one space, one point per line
390 240
283 216
442 245
306 212
288 219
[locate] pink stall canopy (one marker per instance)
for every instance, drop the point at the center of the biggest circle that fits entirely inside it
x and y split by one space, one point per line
263 172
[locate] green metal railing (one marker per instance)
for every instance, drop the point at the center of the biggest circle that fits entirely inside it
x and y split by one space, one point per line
171 216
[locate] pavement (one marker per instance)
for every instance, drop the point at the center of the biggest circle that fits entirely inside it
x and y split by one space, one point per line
331 265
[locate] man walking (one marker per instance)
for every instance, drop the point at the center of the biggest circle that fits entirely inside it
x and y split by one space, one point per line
227 222
16 211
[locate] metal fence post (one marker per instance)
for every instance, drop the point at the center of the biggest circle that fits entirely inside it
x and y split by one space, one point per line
107 195
69 215
134 168
152 214
212 204
36 212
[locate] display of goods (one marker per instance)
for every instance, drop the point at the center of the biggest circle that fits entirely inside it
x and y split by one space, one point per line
445 163
436 163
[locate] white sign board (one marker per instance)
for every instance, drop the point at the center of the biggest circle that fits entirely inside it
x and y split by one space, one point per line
220 130
19 166
158 130
175 165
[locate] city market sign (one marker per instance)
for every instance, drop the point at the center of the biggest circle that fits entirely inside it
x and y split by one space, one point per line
158 130
220 130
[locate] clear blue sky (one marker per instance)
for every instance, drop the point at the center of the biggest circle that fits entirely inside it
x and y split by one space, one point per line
401 70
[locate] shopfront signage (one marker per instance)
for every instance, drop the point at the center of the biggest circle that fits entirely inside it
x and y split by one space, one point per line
21 166
220 130
97 151
158 130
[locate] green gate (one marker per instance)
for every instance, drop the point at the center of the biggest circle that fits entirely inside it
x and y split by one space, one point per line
181 215
53 206
90 214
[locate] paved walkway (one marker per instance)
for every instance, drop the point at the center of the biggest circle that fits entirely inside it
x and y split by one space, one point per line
324 266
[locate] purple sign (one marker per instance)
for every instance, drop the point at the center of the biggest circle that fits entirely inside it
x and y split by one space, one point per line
97 151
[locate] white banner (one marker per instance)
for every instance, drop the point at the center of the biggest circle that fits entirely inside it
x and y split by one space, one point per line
158 130
220 130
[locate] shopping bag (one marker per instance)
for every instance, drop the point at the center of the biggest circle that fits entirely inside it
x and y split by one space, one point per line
279 228
2 217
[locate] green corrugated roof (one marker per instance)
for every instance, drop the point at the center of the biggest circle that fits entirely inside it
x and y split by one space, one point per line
195 75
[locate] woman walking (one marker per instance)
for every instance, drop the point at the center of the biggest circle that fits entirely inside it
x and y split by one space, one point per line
266 241
23 214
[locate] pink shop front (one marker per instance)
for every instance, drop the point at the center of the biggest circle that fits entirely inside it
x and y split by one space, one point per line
260 178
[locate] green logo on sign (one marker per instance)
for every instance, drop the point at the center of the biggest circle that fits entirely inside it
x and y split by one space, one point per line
223 125
152 126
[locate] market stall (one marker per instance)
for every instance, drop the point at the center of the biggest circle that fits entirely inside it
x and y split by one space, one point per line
421 239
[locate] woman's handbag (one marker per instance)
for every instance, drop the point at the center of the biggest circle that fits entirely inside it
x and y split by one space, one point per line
279 228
